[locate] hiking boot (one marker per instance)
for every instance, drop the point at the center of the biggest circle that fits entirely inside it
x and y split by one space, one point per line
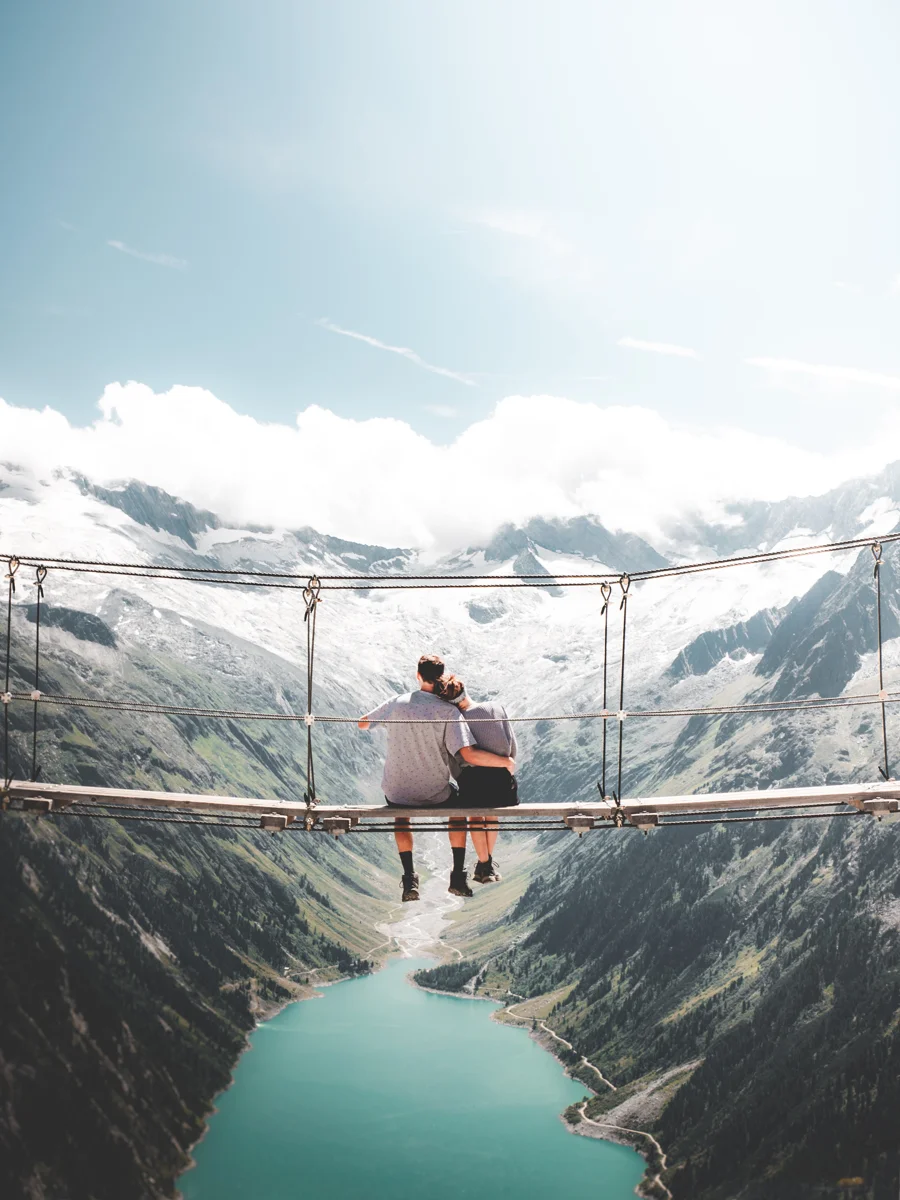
486 872
459 884
410 885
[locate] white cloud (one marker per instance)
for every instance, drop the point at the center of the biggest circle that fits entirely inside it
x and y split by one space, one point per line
827 374
658 348
520 223
403 351
161 260
379 481
531 248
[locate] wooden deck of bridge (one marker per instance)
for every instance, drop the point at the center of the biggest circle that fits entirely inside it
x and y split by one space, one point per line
877 799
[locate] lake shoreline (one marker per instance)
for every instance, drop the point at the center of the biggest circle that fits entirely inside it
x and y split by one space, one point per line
266 1012
581 1128
412 937
271 1009
312 1056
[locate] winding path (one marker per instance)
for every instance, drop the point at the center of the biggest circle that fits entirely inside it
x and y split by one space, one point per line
546 1028
656 1181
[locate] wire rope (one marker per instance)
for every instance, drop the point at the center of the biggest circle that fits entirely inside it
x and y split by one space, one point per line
206 574
884 769
311 596
812 703
12 568
624 584
40 575
606 593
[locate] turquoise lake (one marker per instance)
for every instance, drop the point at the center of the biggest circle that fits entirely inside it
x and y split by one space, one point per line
381 1090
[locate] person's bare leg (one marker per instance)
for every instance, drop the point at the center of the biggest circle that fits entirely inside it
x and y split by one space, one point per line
479 838
484 839
490 835
458 833
403 834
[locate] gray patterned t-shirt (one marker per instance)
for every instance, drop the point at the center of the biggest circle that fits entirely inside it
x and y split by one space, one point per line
491 729
420 757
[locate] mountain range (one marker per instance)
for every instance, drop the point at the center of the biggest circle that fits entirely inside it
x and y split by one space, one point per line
754 969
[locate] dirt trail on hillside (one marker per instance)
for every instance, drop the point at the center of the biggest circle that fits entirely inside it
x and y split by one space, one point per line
656 1181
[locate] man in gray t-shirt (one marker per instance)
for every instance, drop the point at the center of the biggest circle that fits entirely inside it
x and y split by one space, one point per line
420 761
425 736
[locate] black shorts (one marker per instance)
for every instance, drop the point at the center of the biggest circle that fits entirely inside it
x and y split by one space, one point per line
478 787
487 787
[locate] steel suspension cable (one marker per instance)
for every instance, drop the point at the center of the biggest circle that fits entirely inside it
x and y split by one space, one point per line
884 770
605 592
12 568
624 584
811 703
802 816
311 596
369 582
40 575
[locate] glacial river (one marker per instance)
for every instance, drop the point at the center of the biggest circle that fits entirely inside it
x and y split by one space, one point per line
383 1091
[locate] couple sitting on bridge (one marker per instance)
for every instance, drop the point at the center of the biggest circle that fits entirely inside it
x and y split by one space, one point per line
444 751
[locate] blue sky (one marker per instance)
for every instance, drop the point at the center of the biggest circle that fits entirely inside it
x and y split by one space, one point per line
688 207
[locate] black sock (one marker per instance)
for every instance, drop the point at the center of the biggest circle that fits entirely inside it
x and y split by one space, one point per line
459 858
406 859
488 862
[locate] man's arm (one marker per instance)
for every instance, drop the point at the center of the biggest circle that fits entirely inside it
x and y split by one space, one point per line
377 714
483 758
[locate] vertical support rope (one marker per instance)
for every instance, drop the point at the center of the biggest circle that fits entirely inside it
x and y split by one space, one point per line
605 592
885 769
311 594
624 584
40 575
12 567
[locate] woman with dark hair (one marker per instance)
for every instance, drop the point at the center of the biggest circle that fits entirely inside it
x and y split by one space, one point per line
426 733
480 787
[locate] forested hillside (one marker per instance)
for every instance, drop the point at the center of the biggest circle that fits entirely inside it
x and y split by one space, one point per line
768 955
136 956
754 967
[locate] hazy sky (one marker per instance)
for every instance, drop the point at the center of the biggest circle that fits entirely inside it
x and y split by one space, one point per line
414 209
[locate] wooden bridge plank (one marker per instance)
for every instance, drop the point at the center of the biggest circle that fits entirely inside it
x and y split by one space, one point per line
857 795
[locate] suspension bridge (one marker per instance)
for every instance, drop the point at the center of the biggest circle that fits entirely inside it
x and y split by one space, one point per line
609 809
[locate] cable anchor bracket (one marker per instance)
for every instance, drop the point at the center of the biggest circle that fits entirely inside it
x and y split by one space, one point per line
605 592
12 566
312 596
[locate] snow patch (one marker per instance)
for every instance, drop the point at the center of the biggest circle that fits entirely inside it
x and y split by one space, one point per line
218 537
881 516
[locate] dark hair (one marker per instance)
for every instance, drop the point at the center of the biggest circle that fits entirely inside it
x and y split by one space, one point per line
432 668
453 688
